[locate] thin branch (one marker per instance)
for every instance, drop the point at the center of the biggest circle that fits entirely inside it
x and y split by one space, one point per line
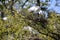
24 3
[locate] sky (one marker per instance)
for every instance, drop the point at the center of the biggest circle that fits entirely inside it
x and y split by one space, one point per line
52 6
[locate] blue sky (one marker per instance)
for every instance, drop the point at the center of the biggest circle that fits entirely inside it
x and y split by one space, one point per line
52 6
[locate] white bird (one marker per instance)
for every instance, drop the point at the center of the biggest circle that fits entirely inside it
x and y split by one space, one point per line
32 30
33 8
4 18
28 28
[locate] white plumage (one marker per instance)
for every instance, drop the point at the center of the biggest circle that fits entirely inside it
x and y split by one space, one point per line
4 18
32 30
33 8
28 28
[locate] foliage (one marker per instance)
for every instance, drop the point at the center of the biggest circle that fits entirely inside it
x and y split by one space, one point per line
12 28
